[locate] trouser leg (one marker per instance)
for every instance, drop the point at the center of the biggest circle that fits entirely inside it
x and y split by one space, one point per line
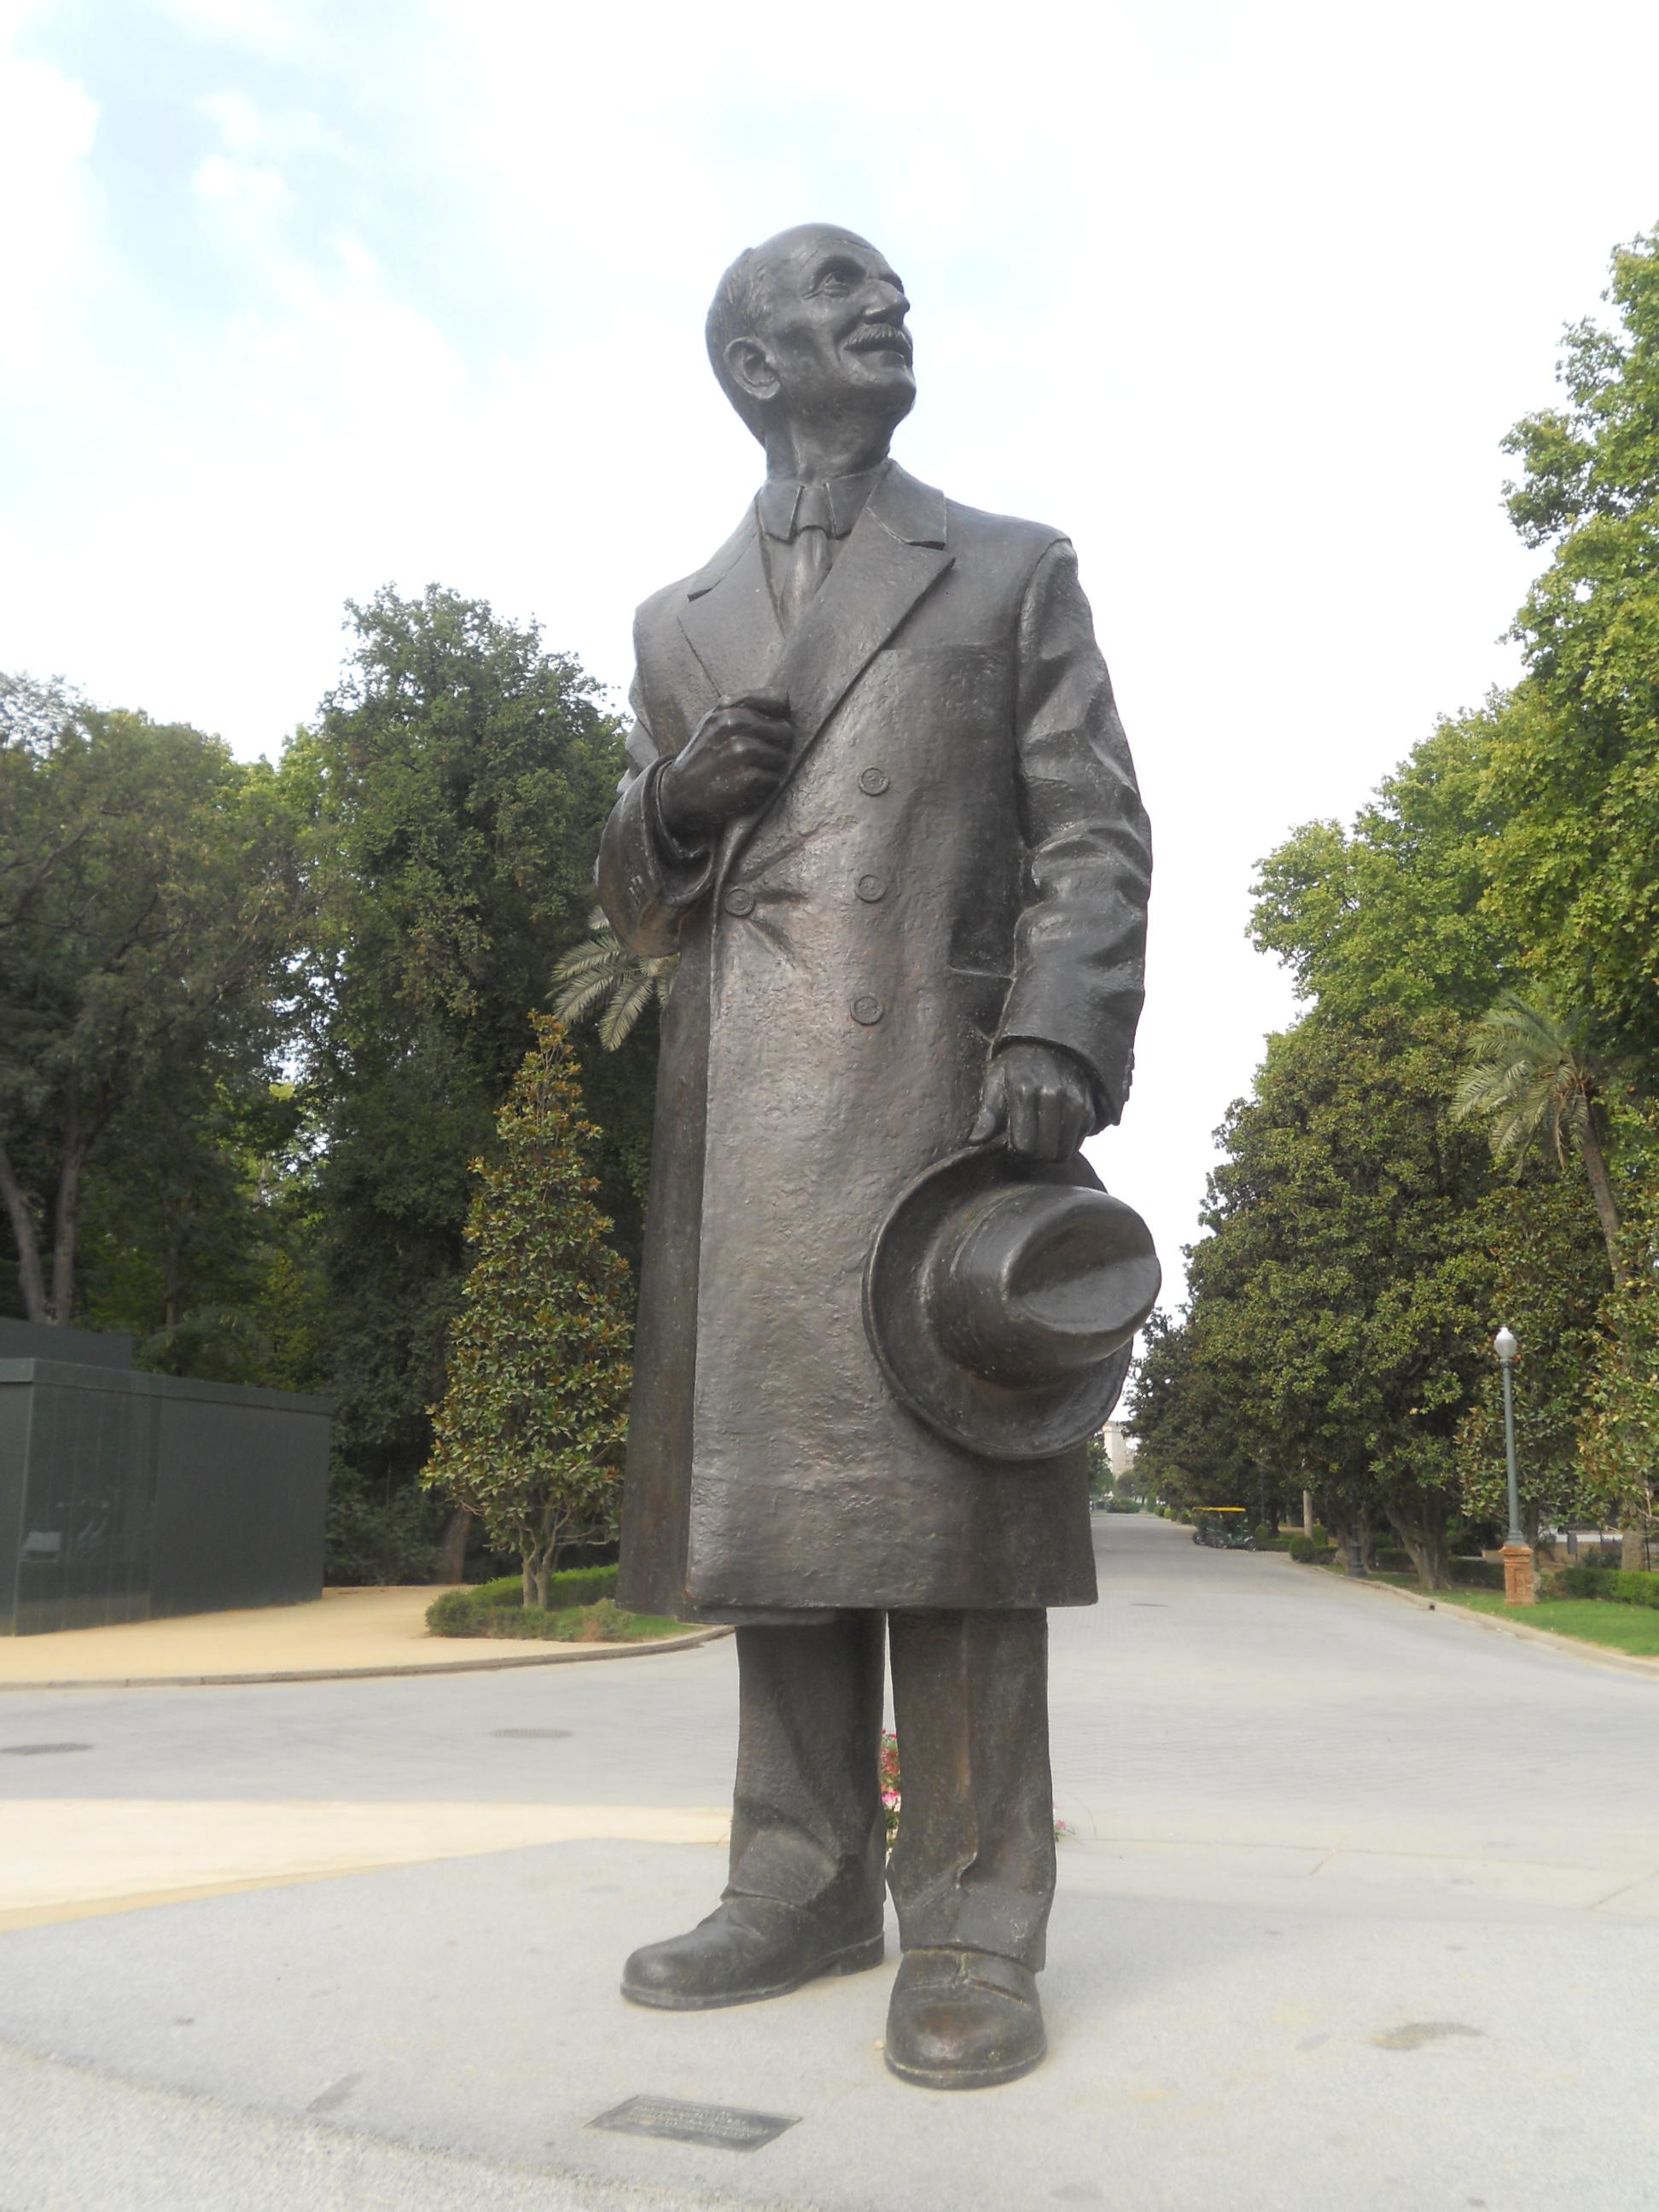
807 1827
974 1864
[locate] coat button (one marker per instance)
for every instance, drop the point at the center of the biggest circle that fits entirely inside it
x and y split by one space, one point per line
872 888
739 900
871 780
868 1012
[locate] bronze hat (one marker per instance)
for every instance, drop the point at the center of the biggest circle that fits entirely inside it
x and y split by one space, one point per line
1002 1298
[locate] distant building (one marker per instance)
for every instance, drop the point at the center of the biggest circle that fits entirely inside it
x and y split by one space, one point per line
1119 1447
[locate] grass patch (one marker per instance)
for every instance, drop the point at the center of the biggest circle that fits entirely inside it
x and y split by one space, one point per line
1633 1628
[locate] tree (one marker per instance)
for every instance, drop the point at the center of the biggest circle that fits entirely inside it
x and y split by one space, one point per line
1549 1286
529 1435
1392 911
1339 1307
452 793
1531 1074
147 907
1573 752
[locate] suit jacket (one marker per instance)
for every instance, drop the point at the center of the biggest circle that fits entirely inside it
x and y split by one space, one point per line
958 857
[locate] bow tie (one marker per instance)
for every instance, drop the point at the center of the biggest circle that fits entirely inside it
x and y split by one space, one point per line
832 505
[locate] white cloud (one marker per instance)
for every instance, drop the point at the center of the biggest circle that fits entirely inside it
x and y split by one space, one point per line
258 24
1242 298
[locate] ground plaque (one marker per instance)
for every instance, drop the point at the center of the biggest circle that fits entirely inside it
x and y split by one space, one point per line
723 2125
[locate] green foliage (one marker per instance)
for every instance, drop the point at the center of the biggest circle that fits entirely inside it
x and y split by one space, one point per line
461 1612
379 1533
603 979
1304 1549
1477 1574
1615 1585
450 796
1392 912
1573 761
568 1619
148 897
1340 1303
1549 1283
529 1435
1621 1409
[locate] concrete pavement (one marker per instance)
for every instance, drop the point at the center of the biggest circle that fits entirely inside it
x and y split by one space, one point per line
1363 1909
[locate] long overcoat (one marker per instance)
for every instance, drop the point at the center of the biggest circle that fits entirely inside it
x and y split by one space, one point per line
957 857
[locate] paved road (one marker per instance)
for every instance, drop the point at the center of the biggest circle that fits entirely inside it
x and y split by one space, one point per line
1363 1907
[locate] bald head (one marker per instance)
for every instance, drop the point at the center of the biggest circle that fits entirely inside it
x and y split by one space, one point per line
808 324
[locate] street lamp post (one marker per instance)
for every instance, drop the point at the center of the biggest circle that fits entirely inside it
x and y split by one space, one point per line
1518 1588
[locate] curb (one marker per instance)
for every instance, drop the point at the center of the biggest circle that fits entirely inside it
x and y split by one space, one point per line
1567 1647
573 1655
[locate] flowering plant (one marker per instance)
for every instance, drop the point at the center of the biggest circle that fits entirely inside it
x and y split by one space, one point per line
889 1784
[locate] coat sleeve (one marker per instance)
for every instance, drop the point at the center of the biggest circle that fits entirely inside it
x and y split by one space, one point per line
1079 946
646 880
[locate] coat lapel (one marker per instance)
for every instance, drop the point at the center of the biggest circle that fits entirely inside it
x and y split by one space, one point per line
728 619
896 551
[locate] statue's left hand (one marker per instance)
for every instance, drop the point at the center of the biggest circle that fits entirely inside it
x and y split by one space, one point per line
1041 1097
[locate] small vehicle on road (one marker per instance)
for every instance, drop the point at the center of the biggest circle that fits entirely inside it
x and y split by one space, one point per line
1224 1528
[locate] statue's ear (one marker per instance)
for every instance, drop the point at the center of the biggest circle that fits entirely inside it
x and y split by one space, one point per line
750 368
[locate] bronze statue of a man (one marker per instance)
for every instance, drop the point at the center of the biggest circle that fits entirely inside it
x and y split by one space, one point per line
881 806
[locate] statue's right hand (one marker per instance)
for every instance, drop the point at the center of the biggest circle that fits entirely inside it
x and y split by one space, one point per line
736 760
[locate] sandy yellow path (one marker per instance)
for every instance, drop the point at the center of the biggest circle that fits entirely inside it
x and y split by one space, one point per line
65 1858
344 1630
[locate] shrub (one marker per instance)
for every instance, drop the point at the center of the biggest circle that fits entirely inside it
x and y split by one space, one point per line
1477 1574
378 1533
498 1608
1616 1585
454 1613
1321 1536
1264 1536
1304 1549
504 1589
603 1622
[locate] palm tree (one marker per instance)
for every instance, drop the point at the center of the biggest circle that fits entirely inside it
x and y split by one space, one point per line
601 975
1532 1077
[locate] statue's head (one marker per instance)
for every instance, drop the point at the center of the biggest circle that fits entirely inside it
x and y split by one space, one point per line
810 328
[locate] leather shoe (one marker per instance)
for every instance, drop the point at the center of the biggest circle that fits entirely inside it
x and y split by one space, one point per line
964 2019
748 1949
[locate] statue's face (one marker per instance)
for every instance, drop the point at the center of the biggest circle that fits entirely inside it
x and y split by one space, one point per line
833 339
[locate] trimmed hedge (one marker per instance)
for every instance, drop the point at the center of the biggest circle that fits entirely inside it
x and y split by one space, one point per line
497 1608
1477 1574
1618 1585
1306 1549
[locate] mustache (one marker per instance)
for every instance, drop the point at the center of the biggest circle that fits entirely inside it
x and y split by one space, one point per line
873 335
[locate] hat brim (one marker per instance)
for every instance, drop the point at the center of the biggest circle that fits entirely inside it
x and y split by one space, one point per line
993 1419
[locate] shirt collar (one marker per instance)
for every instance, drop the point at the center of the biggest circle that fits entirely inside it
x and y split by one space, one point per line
779 500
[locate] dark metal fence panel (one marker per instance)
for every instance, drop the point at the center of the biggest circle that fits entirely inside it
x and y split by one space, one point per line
125 1496
17 1410
84 1556
240 1499
83 1347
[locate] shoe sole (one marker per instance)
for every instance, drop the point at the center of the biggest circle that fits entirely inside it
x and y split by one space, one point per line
857 1958
963 2077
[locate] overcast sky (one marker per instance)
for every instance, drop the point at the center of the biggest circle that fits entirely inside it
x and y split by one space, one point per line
300 297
